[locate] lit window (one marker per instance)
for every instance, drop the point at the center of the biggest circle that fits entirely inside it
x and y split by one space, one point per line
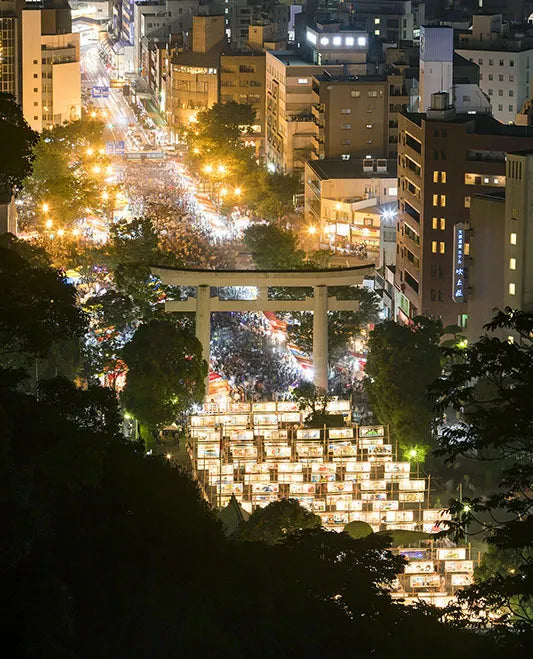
302 81
434 247
467 202
443 177
337 41
434 223
369 125
512 289
349 41
467 249
442 247
377 21
512 264
435 200
435 176
512 239
346 111
355 94
442 223
311 37
443 200
377 32
361 41
324 41
393 192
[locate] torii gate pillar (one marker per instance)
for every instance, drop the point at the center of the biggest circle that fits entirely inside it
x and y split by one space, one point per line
320 338
203 324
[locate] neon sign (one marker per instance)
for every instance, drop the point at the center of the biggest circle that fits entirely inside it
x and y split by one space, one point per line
458 290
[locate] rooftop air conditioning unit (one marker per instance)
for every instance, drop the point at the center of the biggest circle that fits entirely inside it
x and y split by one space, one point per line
368 165
382 165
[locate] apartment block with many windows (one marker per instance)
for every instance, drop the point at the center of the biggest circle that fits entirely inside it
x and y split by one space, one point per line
505 63
444 159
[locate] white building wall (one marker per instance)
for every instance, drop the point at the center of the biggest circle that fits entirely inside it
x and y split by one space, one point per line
506 79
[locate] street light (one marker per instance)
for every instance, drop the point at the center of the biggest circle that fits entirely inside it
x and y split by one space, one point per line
97 169
46 208
208 169
90 151
311 230
48 224
238 192
61 233
221 169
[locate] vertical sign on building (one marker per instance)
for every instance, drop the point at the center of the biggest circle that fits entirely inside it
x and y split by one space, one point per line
458 290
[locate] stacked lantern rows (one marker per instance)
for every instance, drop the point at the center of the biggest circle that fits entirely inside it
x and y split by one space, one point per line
260 452
433 574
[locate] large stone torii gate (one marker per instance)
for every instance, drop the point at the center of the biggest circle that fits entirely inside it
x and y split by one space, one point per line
319 304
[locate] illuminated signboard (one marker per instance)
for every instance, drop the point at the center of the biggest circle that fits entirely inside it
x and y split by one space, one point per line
458 291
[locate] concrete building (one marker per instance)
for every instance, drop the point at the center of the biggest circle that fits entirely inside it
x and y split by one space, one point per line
51 78
290 124
501 229
391 20
346 199
505 61
331 43
193 81
242 79
10 44
241 14
486 268
436 63
444 159
350 115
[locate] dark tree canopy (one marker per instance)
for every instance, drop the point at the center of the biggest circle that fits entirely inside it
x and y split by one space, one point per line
490 383
38 308
17 140
276 521
166 372
402 362
273 248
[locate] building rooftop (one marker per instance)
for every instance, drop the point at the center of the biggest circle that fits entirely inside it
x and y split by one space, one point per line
482 124
191 58
337 168
289 57
349 79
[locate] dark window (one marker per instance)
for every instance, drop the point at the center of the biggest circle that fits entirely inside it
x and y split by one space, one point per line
411 281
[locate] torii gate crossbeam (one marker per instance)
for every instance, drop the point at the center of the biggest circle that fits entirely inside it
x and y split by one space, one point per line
319 304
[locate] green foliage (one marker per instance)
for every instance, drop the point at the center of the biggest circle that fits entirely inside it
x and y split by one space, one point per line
134 247
63 176
277 520
38 308
358 529
166 372
17 140
402 362
310 397
217 139
490 383
273 248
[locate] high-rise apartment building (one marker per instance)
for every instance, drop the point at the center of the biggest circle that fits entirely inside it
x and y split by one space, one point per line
241 14
444 159
290 124
242 80
192 85
51 78
505 61
10 47
351 116
501 255
391 20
